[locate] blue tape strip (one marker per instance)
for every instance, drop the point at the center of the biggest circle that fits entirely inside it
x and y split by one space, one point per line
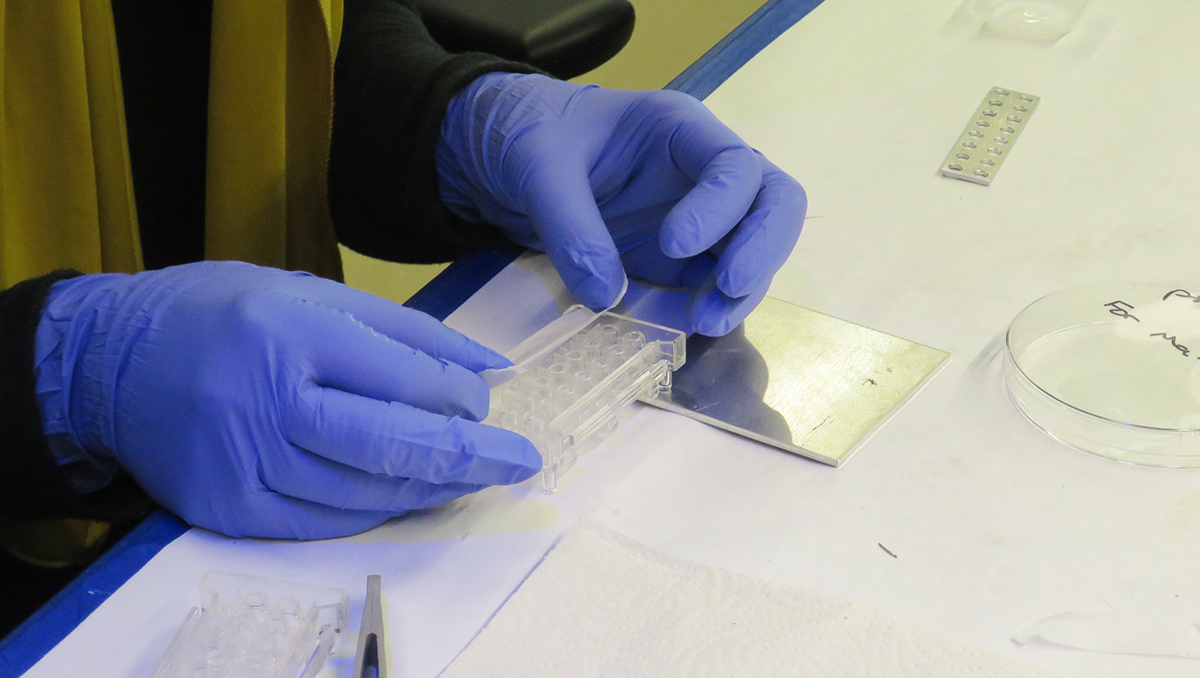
22 648
461 279
30 641
740 46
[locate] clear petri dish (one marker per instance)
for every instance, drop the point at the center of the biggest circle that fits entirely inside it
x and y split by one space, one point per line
1113 370
1033 19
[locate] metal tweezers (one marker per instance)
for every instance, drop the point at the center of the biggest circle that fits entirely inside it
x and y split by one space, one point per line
371 661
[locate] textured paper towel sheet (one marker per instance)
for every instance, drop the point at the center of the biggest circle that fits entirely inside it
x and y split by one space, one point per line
603 605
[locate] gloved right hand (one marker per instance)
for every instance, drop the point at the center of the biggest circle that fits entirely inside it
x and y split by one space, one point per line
258 402
609 182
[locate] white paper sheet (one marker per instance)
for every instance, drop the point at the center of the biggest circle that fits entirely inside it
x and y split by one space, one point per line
603 605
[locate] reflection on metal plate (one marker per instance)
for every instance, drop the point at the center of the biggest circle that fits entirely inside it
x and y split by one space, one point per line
800 380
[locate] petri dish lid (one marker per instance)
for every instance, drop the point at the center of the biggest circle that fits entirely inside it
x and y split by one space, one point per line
1113 370
1034 19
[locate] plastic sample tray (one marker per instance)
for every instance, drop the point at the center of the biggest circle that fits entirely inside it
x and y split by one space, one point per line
250 627
575 377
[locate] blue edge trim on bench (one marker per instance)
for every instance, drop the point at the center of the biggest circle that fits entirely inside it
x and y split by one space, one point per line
28 643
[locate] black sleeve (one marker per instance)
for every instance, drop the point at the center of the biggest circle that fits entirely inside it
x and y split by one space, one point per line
392 84
31 485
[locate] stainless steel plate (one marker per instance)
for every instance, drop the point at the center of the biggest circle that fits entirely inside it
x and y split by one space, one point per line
800 380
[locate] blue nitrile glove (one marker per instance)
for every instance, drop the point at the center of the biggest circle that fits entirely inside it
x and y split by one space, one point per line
257 402
598 177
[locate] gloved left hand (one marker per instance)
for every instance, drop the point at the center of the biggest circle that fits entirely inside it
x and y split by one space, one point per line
258 402
608 181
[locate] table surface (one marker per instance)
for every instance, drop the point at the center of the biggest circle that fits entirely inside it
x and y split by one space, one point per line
994 525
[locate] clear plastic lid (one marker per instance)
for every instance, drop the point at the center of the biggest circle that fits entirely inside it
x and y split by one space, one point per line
1113 370
1034 19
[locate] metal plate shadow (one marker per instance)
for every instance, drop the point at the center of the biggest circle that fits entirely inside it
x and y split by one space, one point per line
799 380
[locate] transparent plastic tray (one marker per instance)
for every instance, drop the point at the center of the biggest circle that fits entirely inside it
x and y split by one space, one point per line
1113 370
576 376
250 627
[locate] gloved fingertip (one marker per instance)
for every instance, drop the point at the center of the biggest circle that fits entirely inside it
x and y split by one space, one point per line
529 465
679 237
496 376
600 293
514 458
472 399
676 251
492 360
469 353
480 405
737 282
715 315
712 324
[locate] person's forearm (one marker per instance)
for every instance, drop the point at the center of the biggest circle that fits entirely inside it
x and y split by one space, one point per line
392 85
33 482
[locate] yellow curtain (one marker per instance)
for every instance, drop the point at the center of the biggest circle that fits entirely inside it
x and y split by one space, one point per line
270 108
66 194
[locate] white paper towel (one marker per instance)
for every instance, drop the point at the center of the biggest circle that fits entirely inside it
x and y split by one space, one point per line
601 604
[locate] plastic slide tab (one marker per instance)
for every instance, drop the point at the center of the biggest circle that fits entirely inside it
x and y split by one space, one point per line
255 627
574 378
